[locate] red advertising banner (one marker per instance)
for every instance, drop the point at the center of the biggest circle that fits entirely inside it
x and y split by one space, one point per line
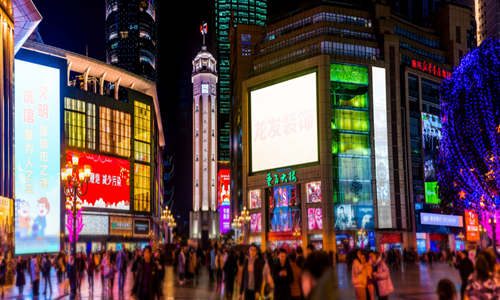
109 185
471 226
224 186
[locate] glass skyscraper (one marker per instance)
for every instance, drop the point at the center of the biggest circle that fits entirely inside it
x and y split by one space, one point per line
227 12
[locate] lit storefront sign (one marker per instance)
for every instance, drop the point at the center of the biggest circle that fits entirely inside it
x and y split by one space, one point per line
37 157
141 227
280 178
255 200
381 148
315 219
224 186
441 220
120 225
313 192
471 226
109 185
284 209
225 217
430 68
256 222
431 138
94 225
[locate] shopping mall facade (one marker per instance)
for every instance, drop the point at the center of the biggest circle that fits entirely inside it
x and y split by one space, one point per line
68 104
338 129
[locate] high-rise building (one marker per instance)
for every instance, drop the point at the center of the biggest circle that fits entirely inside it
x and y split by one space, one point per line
131 36
231 13
487 19
203 219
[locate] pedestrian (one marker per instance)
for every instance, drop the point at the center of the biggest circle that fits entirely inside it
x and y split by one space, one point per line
359 275
282 276
381 276
46 268
35 275
71 274
230 270
251 279
219 265
80 268
60 267
20 277
370 281
182 265
143 284
267 289
3 272
90 272
465 268
211 265
484 282
158 276
295 291
318 280
446 290
192 263
109 271
121 265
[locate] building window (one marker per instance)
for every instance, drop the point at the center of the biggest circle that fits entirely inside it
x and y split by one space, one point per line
142 131
114 59
246 51
142 187
124 34
458 34
114 131
113 35
79 123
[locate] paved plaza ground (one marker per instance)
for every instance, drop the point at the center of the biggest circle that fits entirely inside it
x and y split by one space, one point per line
414 282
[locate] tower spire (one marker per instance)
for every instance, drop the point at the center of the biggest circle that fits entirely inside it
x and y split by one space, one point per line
203 31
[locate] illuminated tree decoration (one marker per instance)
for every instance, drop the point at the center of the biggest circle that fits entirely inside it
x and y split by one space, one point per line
468 168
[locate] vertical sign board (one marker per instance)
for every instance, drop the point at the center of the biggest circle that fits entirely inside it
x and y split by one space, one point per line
37 158
471 226
381 148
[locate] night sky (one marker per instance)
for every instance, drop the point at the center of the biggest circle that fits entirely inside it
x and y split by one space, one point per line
73 25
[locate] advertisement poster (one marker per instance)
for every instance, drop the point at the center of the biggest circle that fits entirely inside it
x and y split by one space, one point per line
284 211
344 217
225 217
431 137
254 199
364 217
256 222
224 184
313 190
37 158
365 240
109 185
93 225
315 218
471 226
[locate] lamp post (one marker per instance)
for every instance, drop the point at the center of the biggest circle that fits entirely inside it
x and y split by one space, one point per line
245 219
236 224
169 219
76 182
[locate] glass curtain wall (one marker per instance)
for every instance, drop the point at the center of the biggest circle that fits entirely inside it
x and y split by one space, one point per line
351 150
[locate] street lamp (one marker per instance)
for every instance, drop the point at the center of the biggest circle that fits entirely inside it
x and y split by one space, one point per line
245 219
76 182
169 219
236 224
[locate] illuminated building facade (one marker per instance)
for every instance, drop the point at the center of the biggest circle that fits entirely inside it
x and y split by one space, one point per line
110 119
204 218
131 36
487 19
228 14
361 189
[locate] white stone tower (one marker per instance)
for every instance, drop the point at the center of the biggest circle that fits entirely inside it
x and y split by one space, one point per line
204 221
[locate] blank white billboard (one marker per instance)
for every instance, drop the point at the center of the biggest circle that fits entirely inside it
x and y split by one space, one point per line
284 125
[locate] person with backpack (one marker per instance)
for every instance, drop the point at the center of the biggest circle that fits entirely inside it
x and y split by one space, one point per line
46 267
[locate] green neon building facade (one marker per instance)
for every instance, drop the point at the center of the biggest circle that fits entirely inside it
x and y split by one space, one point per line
253 12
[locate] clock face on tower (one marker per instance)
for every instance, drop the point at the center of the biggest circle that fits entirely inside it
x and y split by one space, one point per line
204 88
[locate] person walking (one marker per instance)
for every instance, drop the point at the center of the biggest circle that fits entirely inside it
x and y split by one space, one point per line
121 265
282 277
71 274
158 276
219 265
381 276
484 283
182 265
35 275
3 272
295 291
20 277
109 271
143 284
211 265
230 270
251 279
359 275
90 272
446 290
465 268
80 268
46 268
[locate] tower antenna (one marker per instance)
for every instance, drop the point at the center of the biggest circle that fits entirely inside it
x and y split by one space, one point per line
203 31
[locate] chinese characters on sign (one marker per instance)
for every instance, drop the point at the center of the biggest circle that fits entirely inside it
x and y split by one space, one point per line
430 68
289 124
225 218
280 178
471 226
37 158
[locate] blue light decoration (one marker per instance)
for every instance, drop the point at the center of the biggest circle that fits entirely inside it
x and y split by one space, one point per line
468 168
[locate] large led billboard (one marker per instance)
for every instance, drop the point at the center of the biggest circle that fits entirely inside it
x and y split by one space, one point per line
431 138
284 125
109 185
224 187
224 217
37 157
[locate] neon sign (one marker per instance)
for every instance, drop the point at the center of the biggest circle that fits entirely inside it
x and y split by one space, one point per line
279 178
430 68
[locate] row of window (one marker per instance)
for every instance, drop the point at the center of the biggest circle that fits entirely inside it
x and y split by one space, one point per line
416 37
420 52
114 129
319 17
360 51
